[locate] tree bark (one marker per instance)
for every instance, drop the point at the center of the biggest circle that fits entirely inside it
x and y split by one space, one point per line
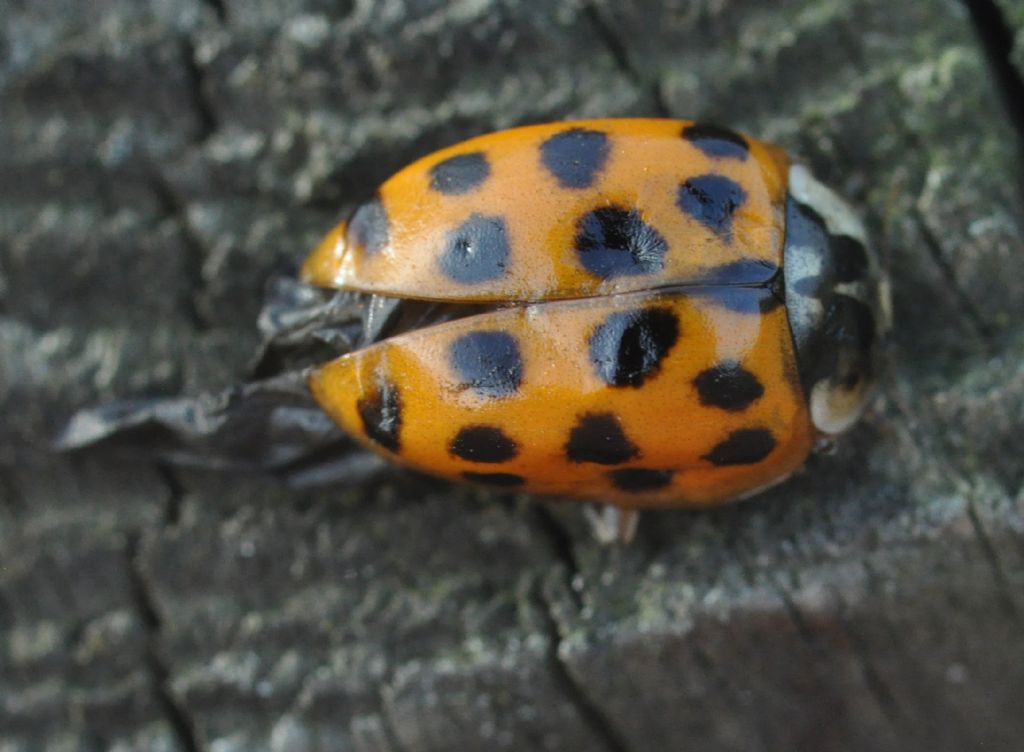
161 159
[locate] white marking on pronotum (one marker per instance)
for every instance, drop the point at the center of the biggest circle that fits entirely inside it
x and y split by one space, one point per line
834 409
839 216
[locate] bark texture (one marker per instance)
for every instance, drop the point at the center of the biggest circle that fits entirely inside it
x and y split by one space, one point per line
159 160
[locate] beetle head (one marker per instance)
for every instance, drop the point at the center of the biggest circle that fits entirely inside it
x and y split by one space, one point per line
837 299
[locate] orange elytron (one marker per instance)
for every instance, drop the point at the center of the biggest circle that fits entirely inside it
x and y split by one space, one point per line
642 312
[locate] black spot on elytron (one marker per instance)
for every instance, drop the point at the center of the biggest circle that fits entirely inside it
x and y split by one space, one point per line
575 156
483 444
638 479
459 174
613 242
716 141
743 447
381 414
476 251
712 200
368 228
489 363
598 438
628 347
500 480
749 300
849 257
742 272
728 385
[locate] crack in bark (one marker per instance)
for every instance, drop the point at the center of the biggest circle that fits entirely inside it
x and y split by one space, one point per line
750 574
991 555
724 686
796 617
925 439
387 727
172 514
964 302
206 115
590 713
176 210
620 56
6 611
182 726
9 493
561 545
876 686
996 38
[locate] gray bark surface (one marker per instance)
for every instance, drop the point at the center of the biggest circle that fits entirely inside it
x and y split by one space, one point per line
159 160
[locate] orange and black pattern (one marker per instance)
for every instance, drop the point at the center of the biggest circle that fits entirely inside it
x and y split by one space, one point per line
567 210
673 398
638 351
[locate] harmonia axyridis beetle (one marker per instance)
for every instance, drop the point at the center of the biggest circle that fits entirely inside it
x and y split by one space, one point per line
642 312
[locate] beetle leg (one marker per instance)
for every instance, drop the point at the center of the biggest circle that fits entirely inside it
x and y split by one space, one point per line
610 524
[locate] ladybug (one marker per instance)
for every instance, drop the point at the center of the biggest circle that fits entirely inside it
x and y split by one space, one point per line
643 312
